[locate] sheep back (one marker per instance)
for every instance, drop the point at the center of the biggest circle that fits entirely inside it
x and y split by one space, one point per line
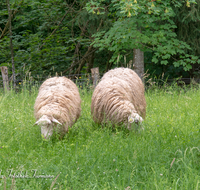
119 93
58 97
136 85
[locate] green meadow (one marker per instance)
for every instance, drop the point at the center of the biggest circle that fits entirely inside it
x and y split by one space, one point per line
166 155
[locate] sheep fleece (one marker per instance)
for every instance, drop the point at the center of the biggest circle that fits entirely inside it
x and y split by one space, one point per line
58 97
119 92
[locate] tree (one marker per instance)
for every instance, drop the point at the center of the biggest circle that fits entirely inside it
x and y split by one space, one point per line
188 28
11 44
63 36
50 36
146 25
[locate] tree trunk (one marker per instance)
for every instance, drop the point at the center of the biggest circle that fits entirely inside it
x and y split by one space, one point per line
4 72
83 60
138 62
11 45
90 63
95 76
4 31
108 64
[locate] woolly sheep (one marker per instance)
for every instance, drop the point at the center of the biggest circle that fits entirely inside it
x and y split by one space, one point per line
135 83
57 106
119 98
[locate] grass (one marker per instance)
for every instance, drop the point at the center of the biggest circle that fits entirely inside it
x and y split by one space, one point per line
166 155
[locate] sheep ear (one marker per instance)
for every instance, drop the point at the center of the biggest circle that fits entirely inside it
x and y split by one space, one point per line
138 118
36 123
42 121
56 121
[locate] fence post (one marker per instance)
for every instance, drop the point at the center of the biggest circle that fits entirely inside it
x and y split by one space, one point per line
4 72
95 76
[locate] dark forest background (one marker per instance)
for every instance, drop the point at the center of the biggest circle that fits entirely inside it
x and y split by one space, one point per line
50 36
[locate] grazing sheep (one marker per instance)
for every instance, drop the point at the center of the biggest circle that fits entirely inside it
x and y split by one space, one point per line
119 98
137 87
57 106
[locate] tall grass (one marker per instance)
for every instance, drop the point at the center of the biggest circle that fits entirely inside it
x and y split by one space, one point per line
166 155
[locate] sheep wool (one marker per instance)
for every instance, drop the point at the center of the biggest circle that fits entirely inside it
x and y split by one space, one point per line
119 98
57 106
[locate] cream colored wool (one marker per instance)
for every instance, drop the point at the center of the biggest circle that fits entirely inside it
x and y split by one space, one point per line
136 84
58 98
119 94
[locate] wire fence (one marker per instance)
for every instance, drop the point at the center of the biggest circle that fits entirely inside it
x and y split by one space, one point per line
83 80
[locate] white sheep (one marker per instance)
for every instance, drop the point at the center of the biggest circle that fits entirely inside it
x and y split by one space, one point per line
57 106
119 98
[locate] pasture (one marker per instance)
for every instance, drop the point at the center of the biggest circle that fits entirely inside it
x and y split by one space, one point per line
166 155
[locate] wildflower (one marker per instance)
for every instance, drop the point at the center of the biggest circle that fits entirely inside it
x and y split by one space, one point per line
161 174
113 160
116 170
19 82
79 77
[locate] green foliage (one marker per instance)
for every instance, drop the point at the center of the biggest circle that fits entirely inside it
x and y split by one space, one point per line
53 35
187 21
145 25
47 33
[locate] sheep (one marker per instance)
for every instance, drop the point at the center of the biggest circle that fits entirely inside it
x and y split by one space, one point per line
135 82
119 98
57 106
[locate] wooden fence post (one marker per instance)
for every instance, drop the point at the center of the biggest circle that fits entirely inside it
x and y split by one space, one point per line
4 72
95 76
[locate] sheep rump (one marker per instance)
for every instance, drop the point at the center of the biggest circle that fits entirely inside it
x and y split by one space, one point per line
58 101
118 96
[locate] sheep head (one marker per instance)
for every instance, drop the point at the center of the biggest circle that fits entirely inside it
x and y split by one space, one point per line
134 117
47 125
